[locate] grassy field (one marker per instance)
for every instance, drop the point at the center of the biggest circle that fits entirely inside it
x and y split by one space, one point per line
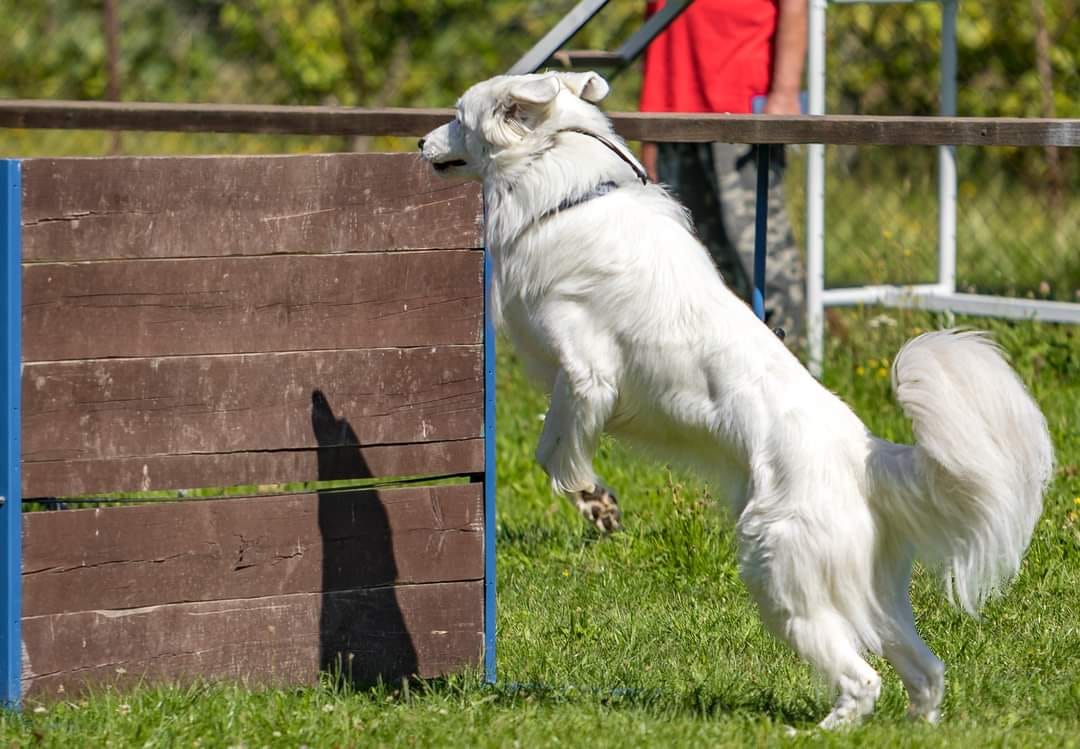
649 638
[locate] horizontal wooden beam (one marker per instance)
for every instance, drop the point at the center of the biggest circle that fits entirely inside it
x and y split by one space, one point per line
189 405
848 129
832 129
182 552
384 633
219 206
218 118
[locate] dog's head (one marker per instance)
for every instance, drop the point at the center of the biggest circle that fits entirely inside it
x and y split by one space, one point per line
508 116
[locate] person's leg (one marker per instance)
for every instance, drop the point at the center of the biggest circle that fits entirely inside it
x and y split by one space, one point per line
785 272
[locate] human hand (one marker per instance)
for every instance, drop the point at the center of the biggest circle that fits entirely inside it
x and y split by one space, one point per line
782 102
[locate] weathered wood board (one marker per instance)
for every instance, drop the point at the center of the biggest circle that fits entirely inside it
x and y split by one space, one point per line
173 207
144 308
426 630
182 552
270 589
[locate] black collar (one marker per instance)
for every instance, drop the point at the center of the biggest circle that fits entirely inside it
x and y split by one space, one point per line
599 190
602 188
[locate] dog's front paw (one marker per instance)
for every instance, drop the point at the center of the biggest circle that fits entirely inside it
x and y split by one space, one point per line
600 508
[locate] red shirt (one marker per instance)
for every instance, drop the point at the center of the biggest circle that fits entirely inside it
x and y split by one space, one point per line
715 57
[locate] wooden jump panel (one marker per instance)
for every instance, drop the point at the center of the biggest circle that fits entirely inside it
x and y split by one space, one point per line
109 408
172 207
196 322
251 304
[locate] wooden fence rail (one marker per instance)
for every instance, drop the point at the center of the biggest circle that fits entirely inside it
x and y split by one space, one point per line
296 120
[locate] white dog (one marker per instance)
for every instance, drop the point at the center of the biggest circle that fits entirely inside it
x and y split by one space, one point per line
616 309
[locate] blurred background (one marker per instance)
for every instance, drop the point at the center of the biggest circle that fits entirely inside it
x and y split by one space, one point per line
1019 217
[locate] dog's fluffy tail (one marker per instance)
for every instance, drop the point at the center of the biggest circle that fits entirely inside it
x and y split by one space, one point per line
969 493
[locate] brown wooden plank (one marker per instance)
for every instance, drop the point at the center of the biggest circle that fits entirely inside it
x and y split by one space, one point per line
203 118
162 207
83 477
428 630
182 552
848 129
118 408
251 304
838 129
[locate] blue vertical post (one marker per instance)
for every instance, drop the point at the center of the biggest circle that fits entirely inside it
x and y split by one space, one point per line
10 486
761 229
489 475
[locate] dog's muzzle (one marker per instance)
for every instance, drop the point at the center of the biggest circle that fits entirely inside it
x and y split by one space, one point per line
439 166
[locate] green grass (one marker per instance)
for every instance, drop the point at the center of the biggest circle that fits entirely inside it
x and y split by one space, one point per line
881 209
648 637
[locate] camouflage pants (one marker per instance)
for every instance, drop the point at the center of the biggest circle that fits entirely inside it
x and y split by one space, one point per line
718 183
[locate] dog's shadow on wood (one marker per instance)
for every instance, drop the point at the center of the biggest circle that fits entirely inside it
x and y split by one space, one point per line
363 635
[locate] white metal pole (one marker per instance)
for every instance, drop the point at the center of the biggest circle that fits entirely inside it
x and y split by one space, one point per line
947 154
815 192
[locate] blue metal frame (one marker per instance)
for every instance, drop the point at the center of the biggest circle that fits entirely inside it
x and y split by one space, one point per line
489 476
10 392
761 228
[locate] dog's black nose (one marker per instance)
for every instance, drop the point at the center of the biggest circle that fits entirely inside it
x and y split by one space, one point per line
420 144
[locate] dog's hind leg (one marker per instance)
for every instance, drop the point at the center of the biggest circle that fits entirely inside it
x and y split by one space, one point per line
923 675
580 407
817 632
921 671
824 640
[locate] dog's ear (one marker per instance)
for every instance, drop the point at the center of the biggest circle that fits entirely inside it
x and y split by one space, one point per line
588 86
535 91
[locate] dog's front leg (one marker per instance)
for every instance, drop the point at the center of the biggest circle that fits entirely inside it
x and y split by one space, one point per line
580 406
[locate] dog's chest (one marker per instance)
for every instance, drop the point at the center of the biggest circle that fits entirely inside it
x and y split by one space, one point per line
526 333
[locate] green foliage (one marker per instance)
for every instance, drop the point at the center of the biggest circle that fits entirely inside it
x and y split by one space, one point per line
57 50
401 53
884 58
350 52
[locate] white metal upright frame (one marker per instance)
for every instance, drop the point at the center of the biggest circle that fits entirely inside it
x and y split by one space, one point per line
941 295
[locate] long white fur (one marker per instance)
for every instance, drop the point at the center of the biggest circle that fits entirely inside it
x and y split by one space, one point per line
617 310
